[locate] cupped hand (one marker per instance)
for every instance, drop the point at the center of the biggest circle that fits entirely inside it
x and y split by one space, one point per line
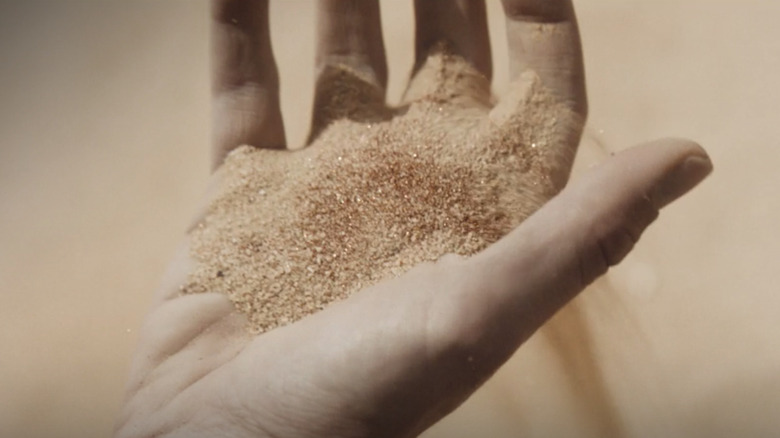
397 356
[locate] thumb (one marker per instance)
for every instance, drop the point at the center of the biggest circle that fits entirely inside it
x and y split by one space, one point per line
591 225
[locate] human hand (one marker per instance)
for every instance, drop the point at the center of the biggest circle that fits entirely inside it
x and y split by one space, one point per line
396 357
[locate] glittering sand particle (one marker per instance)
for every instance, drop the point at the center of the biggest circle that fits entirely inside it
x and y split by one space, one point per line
379 190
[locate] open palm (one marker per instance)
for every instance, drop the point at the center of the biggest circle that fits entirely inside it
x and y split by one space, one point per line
397 356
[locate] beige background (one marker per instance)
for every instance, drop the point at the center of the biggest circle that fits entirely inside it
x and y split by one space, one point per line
103 156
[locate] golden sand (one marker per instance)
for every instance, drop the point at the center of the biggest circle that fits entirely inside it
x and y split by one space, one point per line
379 190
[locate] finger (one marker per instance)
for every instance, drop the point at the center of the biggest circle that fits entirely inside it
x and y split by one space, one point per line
533 125
245 82
350 63
349 32
452 54
543 37
523 279
460 24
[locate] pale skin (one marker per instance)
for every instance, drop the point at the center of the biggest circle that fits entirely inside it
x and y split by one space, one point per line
397 357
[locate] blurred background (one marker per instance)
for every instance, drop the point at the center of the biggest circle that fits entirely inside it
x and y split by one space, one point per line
104 137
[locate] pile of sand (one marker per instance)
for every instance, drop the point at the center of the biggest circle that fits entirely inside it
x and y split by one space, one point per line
379 190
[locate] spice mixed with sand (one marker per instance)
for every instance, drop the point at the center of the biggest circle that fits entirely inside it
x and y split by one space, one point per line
379 190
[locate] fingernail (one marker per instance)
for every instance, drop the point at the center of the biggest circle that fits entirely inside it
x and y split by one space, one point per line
685 176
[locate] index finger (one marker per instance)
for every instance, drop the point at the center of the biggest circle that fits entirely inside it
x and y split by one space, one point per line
543 36
245 81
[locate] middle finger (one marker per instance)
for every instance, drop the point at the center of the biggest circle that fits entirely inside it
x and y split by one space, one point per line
462 24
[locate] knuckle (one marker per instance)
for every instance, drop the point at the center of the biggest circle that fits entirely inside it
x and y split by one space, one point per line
614 238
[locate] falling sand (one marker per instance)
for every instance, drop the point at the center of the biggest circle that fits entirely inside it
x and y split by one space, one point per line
379 190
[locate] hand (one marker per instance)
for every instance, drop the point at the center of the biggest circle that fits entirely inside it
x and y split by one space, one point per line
396 357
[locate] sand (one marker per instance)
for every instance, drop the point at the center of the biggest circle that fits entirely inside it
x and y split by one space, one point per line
379 189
